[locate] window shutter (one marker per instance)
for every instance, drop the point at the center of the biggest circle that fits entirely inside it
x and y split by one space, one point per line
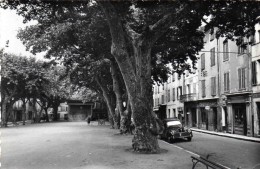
239 78
228 88
173 94
243 78
203 88
254 77
212 56
203 61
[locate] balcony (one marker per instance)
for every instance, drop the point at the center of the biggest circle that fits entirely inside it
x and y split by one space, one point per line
188 97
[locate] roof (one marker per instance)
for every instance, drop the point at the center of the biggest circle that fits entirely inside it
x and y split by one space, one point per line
79 102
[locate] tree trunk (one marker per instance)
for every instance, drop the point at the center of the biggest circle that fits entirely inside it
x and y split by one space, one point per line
118 92
109 102
46 114
4 113
24 111
55 112
137 76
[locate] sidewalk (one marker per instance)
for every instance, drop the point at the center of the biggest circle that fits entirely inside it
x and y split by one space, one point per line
235 136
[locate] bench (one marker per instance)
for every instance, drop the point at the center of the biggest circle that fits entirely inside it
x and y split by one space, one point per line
101 122
206 162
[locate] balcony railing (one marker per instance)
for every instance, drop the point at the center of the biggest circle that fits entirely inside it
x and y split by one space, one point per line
188 97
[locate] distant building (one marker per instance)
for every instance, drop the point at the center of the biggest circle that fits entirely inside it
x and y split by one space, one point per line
166 98
79 110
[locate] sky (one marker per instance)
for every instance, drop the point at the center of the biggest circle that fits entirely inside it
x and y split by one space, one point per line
10 23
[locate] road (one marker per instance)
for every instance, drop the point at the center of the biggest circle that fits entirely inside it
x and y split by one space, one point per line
230 152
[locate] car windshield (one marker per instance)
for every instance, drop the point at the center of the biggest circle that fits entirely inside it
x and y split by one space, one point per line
174 124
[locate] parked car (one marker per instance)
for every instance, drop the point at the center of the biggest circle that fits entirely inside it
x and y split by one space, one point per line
173 129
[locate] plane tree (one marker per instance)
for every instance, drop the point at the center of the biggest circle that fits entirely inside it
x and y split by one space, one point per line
21 78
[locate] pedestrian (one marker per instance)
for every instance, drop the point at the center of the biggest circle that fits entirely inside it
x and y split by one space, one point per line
88 120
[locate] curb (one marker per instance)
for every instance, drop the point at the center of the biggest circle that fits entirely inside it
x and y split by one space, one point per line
253 139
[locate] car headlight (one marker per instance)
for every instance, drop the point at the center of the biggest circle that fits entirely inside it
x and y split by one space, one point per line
172 132
189 130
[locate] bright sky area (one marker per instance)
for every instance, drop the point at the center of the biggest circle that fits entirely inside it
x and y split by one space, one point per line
10 23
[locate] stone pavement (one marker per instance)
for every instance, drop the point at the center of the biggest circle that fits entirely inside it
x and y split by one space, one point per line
77 145
235 136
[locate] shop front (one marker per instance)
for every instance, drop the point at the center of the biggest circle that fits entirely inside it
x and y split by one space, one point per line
239 114
208 115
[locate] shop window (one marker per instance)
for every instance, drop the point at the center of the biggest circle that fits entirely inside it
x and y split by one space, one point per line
203 116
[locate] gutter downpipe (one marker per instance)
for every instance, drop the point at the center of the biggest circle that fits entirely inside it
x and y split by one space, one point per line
219 82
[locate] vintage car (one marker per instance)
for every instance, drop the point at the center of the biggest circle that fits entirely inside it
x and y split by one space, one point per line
173 129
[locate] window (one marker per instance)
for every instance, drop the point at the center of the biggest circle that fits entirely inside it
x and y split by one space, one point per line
202 58
188 88
162 99
240 50
169 97
254 77
179 76
158 89
213 86
212 35
179 92
225 52
259 36
173 77
203 116
194 88
174 112
226 82
162 86
173 94
203 88
169 113
212 57
241 78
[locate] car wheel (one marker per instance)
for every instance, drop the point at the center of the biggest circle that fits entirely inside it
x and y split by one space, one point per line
189 138
169 139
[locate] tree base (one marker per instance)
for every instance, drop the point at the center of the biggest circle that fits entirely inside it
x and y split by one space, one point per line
145 142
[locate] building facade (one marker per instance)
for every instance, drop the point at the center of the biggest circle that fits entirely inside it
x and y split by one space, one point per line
256 81
167 96
223 94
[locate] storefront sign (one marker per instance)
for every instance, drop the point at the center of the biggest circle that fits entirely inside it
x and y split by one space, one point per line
207 107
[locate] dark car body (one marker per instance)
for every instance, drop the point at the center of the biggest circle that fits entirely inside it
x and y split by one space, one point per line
173 129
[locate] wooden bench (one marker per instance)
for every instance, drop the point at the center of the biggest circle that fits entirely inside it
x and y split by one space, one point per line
101 122
206 162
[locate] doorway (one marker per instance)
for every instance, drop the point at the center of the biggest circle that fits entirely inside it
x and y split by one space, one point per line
240 119
194 117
